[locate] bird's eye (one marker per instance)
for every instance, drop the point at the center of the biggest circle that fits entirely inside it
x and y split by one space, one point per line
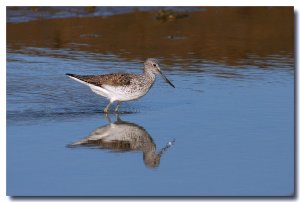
154 65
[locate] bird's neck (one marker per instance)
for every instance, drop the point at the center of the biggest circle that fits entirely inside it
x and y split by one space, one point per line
149 74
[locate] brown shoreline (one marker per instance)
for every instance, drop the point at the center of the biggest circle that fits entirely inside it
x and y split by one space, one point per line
221 34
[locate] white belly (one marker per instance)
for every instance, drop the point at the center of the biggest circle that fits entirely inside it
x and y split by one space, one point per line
122 93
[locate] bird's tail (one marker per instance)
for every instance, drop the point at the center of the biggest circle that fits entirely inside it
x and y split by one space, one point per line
72 75
77 78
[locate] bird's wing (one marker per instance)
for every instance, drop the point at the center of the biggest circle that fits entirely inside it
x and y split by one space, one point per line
115 79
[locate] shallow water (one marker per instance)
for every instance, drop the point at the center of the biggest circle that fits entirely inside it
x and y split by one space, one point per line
227 129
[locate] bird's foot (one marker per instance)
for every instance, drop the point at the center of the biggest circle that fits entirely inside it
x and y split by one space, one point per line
117 107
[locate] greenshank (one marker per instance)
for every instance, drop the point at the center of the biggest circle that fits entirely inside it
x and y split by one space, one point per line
121 87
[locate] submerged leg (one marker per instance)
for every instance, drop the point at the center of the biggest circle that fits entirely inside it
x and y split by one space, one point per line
107 107
107 118
117 107
118 118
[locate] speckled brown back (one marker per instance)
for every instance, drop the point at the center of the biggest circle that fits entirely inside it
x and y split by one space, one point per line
115 79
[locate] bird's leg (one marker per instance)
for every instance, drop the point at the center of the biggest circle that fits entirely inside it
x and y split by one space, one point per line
118 118
108 118
107 107
117 107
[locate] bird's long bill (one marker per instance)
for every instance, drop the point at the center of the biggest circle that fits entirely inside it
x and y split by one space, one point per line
165 78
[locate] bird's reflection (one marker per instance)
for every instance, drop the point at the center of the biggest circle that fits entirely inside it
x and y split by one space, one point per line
123 136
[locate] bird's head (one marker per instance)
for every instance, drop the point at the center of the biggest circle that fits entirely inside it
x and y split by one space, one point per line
151 65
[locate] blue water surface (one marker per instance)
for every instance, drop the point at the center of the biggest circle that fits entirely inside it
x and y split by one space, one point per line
232 127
